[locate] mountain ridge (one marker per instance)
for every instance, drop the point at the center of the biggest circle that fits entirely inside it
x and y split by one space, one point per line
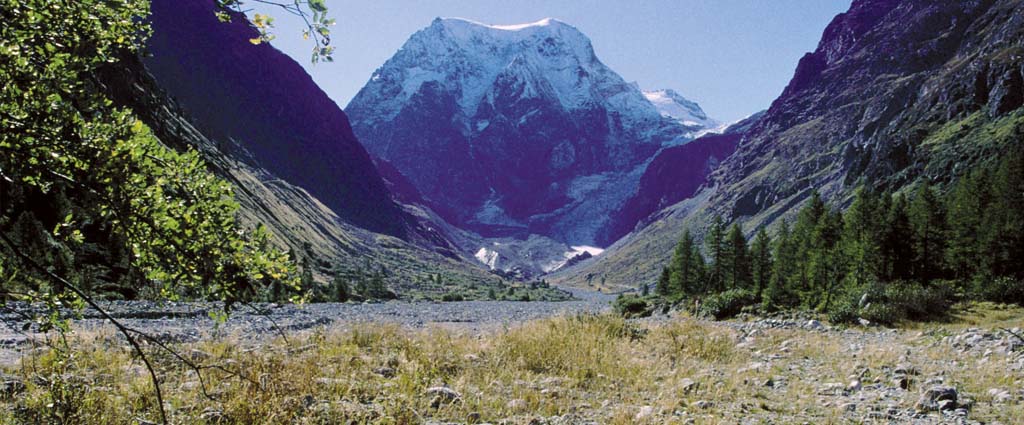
509 130
896 93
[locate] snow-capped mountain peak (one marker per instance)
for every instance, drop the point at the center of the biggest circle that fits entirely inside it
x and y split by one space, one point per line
546 22
673 105
505 125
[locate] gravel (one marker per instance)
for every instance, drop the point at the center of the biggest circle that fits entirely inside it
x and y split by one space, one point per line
186 322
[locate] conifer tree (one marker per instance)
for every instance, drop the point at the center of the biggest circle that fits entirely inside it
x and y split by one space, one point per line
803 238
785 272
897 246
1003 233
862 237
928 223
715 243
827 261
662 288
682 278
340 291
738 273
761 262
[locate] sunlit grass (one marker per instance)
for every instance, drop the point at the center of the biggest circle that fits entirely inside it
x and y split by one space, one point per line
601 368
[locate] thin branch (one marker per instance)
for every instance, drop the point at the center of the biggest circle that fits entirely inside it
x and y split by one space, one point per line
1019 336
277 328
85 297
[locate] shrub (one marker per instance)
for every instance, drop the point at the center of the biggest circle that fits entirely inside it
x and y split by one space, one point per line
632 306
1000 290
890 303
452 297
778 297
727 304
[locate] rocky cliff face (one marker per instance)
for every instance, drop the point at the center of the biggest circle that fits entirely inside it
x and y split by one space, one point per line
675 174
871 103
514 130
260 103
239 134
896 92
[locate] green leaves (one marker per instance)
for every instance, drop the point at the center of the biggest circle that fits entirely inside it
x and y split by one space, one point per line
113 188
312 12
318 6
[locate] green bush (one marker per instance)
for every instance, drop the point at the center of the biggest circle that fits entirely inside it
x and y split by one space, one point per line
1000 290
452 297
727 304
894 302
776 298
632 306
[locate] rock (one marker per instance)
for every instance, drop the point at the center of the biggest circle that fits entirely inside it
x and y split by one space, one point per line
863 322
550 392
442 395
703 404
645 411
848 407
901 382
854 385
212 416
328 381
966 403
516 404
10 386
905 369
473 417
831 388
938 397
386 372
197 356
946 405
999 396
688 385
814 325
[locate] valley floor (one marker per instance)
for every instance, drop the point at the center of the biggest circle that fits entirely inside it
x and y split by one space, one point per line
409 364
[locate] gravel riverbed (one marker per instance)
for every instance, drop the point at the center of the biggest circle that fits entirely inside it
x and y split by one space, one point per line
184 322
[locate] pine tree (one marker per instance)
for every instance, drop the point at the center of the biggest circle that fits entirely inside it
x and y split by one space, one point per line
700 272
928 223
340 291
897 242
827 261
761 262
715 243
786 271
862 237
804 241
966 204
1000 233
682 276
662 288
737 272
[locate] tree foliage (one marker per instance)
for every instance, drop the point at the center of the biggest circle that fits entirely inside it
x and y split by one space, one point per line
887 257
82 176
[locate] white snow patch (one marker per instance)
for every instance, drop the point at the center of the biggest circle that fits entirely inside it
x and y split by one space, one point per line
593 250
672 105
568 255
488 257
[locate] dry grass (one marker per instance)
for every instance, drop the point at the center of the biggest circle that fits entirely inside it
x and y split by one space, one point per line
598 367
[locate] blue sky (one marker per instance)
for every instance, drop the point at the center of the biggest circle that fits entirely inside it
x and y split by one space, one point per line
731 56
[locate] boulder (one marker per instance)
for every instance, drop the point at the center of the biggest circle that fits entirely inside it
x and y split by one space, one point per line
936 398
